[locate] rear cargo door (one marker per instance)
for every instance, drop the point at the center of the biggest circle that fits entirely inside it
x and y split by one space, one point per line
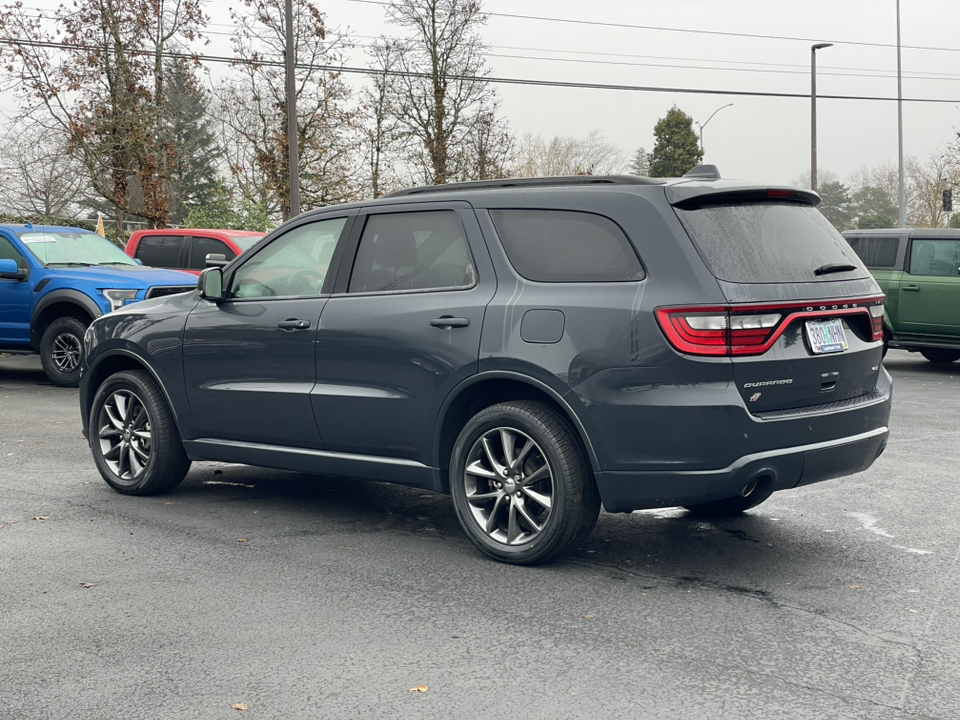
801 331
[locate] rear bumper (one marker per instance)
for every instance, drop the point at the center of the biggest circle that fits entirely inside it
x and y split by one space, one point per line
786 468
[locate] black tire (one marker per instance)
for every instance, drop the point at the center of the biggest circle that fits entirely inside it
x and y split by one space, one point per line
731 507
134 440
940 355
61 350
541 505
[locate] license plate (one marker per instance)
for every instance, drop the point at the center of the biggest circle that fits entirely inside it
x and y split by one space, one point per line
826 336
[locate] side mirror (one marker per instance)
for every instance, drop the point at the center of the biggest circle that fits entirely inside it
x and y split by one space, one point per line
215 260
211 284
9 270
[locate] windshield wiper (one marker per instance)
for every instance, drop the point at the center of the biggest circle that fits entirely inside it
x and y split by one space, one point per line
70 264
833 268
116 262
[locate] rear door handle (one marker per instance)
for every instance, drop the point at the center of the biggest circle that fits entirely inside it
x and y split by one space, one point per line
911 288
292 324
448 321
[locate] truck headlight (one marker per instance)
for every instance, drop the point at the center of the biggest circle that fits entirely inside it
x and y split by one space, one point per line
118 298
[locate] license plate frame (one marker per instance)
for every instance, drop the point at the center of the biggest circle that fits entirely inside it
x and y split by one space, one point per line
826 336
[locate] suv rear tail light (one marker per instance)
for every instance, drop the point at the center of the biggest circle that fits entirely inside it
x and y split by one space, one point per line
752 329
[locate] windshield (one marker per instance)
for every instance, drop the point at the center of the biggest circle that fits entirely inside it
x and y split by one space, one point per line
770 242
69 247
247 241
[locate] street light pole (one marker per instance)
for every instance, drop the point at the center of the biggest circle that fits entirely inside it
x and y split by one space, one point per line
813 112
293 148
708 120
903 202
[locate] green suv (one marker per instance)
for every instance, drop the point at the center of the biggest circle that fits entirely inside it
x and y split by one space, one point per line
919 270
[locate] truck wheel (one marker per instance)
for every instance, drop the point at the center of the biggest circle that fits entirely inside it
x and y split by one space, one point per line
522 488
135 442
61 350
940 355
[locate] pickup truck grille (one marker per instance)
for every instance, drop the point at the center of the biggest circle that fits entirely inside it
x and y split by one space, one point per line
156 292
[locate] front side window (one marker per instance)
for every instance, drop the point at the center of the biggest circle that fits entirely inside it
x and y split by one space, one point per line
293 265
203 246
79 247
938 258
566 246
160 250
412 251
9 252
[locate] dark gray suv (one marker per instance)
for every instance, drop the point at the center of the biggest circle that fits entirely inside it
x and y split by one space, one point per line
532 347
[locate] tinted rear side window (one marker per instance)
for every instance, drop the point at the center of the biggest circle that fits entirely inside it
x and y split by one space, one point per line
769 242
566 246
160 250
876 252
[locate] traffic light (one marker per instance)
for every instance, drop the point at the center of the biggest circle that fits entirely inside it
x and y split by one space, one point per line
948 200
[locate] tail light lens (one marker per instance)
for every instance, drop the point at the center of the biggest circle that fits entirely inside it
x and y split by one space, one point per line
752 330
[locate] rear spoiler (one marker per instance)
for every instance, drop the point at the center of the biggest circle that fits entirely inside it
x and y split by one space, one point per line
696 195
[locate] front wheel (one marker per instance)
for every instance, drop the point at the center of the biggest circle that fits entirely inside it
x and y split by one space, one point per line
940 355
135 443
521 487
61 350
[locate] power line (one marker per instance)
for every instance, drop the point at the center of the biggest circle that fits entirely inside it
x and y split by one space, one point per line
490 79
720 33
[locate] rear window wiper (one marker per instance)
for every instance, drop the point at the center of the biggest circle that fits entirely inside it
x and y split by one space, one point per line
833 268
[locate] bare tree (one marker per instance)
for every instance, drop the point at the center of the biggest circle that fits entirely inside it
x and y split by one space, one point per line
927 181
568 155
441 94
40 177
254 106
384 136
104 85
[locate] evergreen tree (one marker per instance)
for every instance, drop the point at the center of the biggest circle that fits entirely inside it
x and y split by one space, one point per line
874 209
677 149
195 152
836 204
641 163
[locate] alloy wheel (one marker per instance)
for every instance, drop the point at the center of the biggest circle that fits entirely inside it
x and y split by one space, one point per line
66 352
125 435
509 486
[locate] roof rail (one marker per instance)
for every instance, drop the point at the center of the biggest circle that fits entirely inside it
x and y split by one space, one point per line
704 172
531 182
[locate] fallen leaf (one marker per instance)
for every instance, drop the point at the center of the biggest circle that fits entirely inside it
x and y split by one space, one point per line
240 706
241 539
589 617
40 517
168 503
419 689
913 611
853 587
345 548
86 586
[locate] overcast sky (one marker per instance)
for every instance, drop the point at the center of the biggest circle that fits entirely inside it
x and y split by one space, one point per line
761 138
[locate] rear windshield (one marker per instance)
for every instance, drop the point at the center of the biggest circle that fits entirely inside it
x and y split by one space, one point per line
769 242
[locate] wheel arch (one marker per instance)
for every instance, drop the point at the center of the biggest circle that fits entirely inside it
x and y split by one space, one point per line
60 303
118 361
484 390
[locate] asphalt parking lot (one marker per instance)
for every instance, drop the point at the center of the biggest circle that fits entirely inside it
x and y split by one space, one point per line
250 593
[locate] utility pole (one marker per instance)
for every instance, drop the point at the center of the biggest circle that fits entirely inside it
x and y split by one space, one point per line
813 112
292 139
903 199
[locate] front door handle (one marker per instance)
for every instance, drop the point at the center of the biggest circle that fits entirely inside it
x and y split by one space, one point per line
448 321
293 324
911 288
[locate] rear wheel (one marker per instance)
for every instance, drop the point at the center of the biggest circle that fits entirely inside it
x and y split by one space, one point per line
61 350
135 443
731 507
521 487
940 355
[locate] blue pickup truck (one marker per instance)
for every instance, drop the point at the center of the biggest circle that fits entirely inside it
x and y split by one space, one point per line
55 280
